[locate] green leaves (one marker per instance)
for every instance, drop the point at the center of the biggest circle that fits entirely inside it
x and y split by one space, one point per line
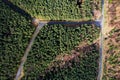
52 40
56 10
15 32
84 69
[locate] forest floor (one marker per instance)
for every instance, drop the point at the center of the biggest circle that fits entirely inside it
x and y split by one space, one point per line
112 18
112 60
112 24
107 26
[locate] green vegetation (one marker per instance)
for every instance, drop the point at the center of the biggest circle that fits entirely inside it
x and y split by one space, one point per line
85 68
59 39
110 1
57 9
52 40
15 32
112 61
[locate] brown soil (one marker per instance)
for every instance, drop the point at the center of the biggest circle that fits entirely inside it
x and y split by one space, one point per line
97 14
112 49
112 21
35 22
112 17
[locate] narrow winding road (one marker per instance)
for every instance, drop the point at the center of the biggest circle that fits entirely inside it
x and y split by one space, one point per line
20 72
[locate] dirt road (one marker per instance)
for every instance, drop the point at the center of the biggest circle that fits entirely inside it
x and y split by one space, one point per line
20 72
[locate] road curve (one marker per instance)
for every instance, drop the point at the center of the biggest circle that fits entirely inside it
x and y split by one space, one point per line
20 72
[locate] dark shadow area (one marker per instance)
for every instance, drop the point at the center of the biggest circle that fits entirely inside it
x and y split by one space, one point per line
79 3
17 9
97 23
70 22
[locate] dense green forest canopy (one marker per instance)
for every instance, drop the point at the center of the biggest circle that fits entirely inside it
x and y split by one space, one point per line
57 9
15 32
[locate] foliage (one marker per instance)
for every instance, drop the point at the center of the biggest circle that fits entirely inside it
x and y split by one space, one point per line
15 32
85 68
56 9
110 1
112 61
52 40
59 39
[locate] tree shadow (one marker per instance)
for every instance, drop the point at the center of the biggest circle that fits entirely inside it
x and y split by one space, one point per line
79 3
63 22
17 9
74 23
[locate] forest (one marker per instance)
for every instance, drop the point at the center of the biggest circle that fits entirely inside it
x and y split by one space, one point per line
57 9
53 40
